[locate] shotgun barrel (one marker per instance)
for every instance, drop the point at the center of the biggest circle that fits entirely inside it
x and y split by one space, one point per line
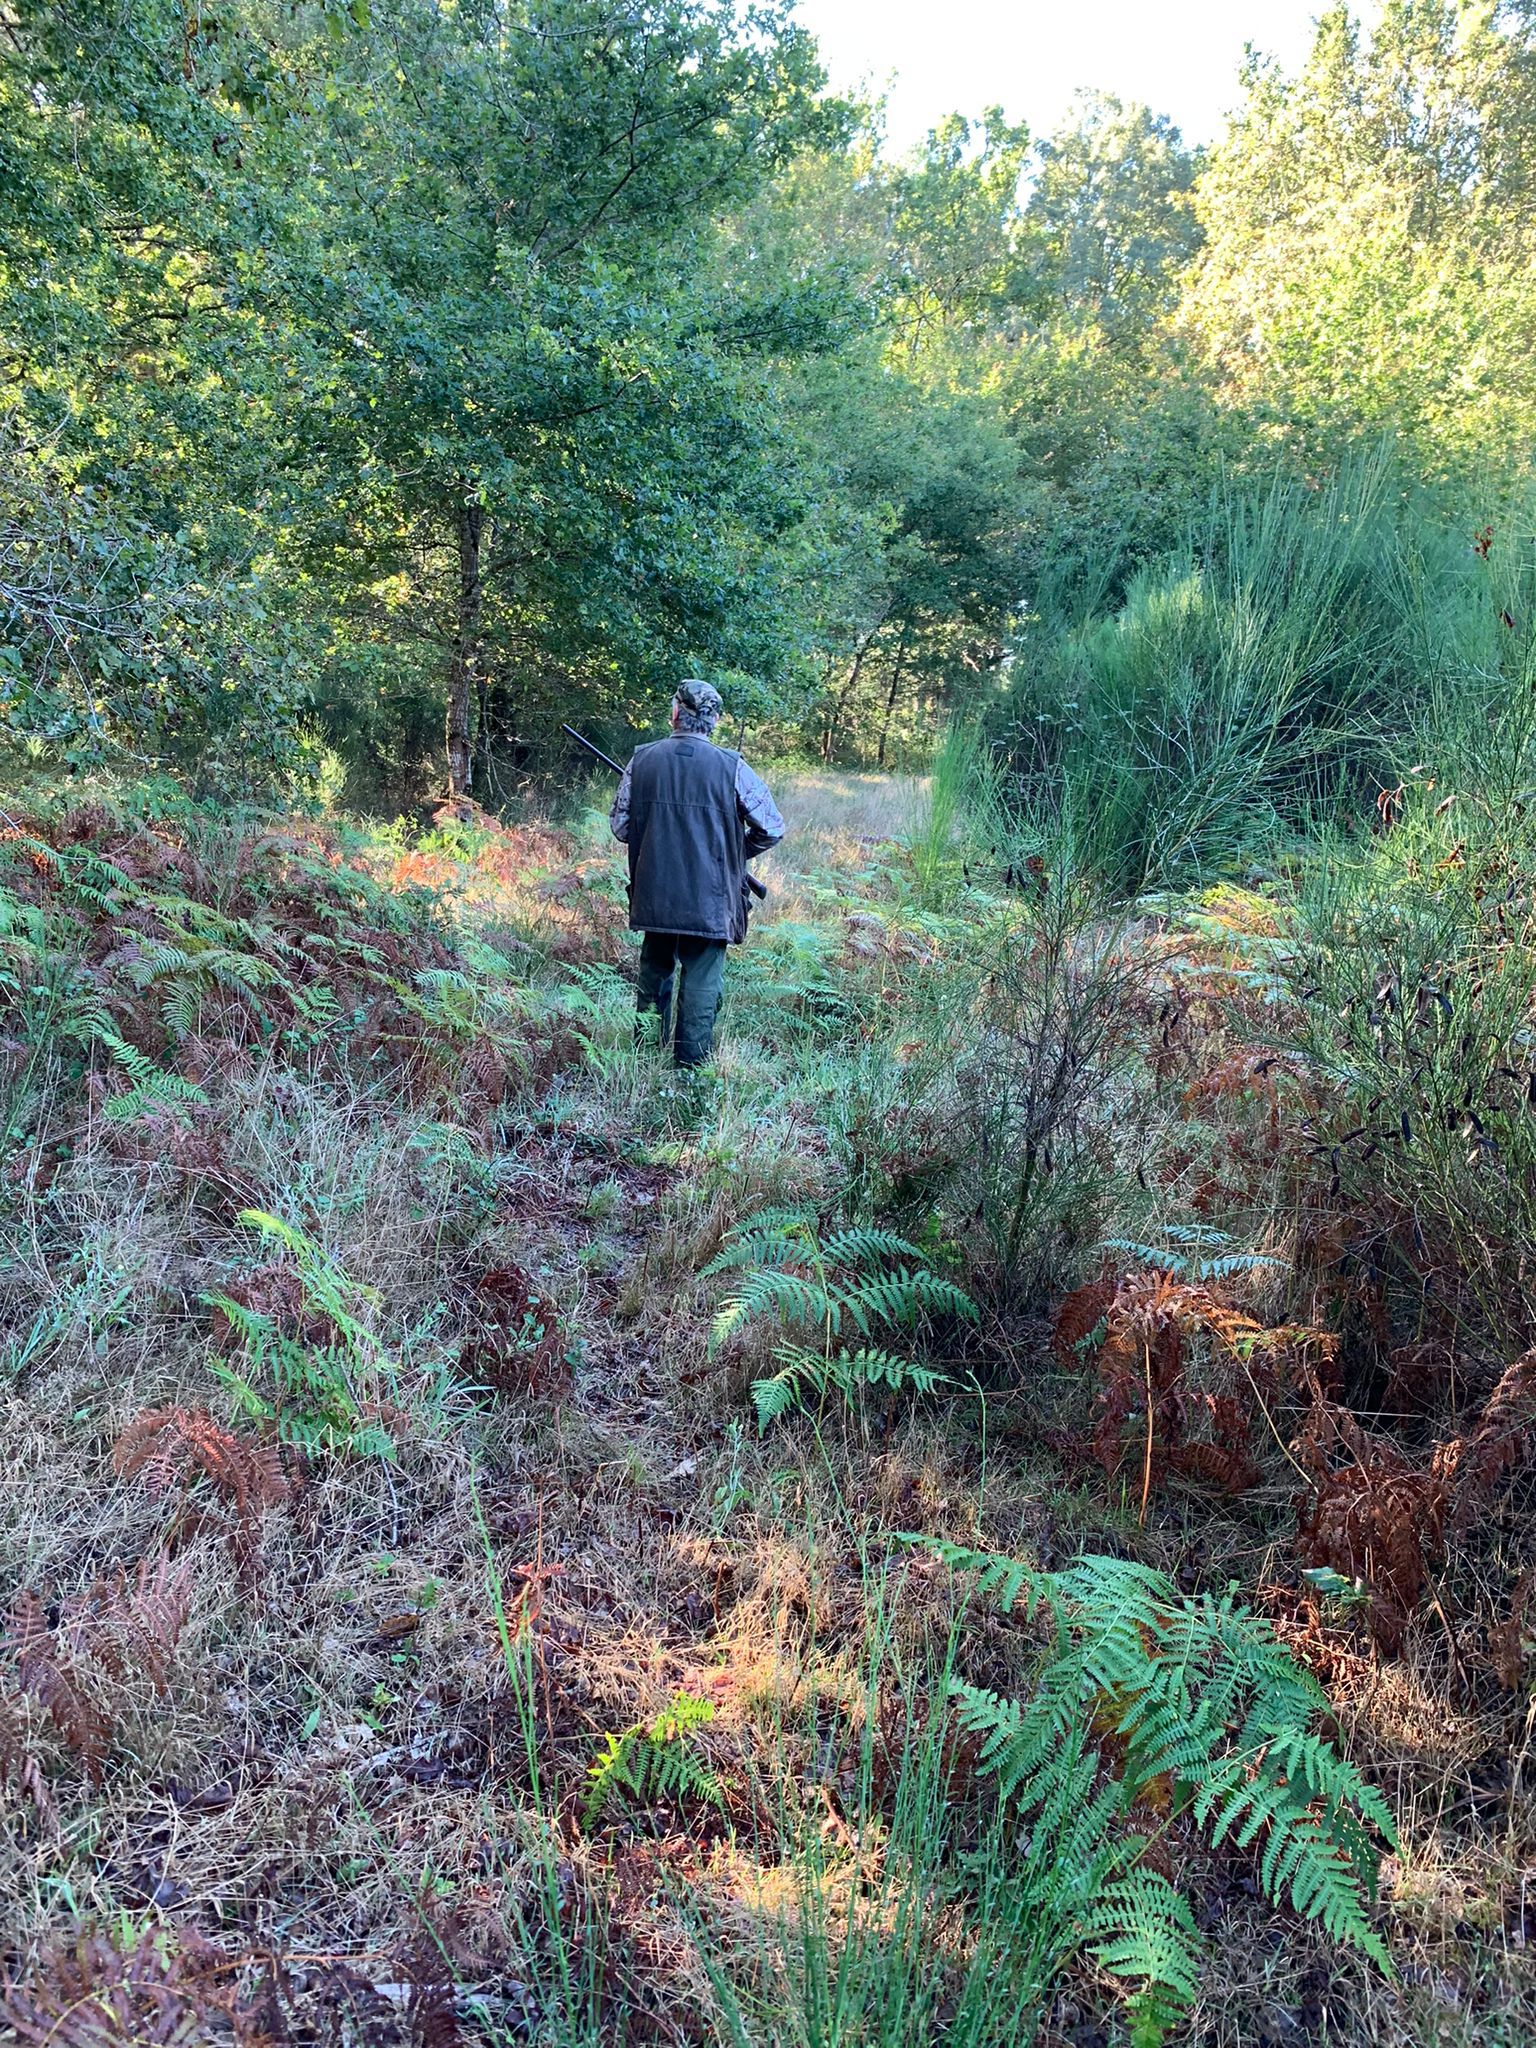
582 741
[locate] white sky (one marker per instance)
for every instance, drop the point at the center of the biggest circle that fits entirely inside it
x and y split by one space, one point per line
1030 56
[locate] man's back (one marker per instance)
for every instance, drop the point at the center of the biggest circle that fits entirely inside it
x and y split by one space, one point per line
687 842
692 815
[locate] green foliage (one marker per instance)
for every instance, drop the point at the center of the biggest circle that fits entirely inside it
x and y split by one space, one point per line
345 305
805 1378
1112 205
1181 1700
150 1086
318 1386
1193 1251
1047 990
653 1760
600 1005
954 774
794 1274
1256 676
1369 226
355 369
1409 968
857 1278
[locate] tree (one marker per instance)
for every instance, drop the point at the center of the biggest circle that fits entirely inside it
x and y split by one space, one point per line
141 403
410 304
956 247
936 480
1370 227
904 571
1113 215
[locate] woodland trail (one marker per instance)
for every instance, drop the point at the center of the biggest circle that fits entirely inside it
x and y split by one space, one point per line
438 1592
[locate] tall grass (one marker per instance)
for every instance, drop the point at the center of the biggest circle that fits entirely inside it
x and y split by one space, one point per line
957 782
869 1938
929 1916
1272 668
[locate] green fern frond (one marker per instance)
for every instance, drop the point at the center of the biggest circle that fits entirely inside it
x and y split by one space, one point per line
150 1086
780 1395
252 1327
652 1761
1014 1744
832 1285
681 1716
1002 1580
156 960
899 1298
180 1010
1143 1929
771 1238
82 876
139 1068
1197 1253
443 981
319 1396
862 1248
609 1774
1193 1689
166 1091
871 1367
805 1375
787 1295
276 1231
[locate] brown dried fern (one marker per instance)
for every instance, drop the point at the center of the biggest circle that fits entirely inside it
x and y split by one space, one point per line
133 1623
148 1995
1380 1520
1509 1641
20 1766
124 1627
173 1447
1148 1405
1500 1440
46 1670
1078 1316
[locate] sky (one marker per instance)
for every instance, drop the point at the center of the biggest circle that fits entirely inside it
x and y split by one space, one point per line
1030 56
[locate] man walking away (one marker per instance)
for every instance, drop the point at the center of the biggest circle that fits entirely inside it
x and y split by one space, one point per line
692 815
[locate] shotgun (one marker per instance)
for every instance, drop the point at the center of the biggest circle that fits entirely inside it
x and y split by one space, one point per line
758 889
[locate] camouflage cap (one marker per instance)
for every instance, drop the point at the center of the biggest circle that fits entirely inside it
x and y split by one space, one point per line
701 698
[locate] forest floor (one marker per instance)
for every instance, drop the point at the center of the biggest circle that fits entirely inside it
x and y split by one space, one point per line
413 1633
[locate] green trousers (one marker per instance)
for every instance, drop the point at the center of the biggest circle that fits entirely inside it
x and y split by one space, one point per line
680 980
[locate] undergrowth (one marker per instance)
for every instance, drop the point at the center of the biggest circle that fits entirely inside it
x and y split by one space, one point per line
438 1606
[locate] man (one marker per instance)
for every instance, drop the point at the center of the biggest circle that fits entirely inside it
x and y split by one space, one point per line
692 815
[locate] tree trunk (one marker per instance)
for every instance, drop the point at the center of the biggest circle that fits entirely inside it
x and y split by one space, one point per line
469 518
829 737
890 699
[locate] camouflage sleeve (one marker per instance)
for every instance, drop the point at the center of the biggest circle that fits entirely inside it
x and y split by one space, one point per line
760 818
618 817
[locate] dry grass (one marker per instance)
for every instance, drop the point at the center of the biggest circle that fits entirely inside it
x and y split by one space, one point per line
381 1740
835 820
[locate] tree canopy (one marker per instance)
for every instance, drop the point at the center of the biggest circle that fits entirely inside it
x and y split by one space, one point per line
396 379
